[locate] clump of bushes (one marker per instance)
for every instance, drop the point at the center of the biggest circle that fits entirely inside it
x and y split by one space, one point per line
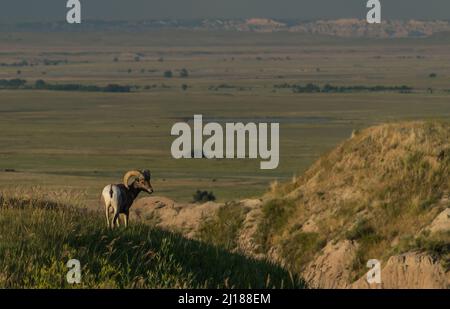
368 238
301 248
184 73
203 196
12 83
362 229
275 215
436 244
223 229
54 62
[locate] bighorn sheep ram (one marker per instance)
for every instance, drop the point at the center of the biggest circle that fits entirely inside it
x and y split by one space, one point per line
120 197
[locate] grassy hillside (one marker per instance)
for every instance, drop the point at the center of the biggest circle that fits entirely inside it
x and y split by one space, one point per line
381 189
38 237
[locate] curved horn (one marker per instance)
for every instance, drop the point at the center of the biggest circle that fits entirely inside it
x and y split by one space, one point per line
130 174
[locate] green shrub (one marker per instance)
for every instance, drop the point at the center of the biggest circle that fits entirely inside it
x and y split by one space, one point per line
436 246
275 215
40 84
367 238
362 229
203 196
223 229
298 250
184 73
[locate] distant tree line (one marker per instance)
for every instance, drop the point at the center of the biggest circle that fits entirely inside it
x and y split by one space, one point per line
24 63
42 85
327 88
12 83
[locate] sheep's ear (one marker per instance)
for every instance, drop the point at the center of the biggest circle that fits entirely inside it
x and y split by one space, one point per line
147 174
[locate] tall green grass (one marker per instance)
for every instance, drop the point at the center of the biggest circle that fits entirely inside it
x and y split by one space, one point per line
38 237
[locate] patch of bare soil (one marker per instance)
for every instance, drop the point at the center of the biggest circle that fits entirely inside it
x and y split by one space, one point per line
165 213
332 268
411 270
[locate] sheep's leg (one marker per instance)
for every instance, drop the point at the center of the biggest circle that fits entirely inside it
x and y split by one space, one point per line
122 217
107 216
116 220
127 214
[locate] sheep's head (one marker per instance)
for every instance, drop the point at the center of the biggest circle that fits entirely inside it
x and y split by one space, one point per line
141 180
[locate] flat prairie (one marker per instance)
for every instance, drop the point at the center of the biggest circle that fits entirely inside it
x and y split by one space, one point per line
79 140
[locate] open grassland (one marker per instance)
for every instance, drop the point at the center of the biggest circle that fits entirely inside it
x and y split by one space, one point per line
52 233
83 140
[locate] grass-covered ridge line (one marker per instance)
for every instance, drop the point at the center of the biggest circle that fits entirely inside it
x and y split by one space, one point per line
380 189
38 237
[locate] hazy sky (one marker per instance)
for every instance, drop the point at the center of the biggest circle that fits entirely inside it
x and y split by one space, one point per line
44 10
